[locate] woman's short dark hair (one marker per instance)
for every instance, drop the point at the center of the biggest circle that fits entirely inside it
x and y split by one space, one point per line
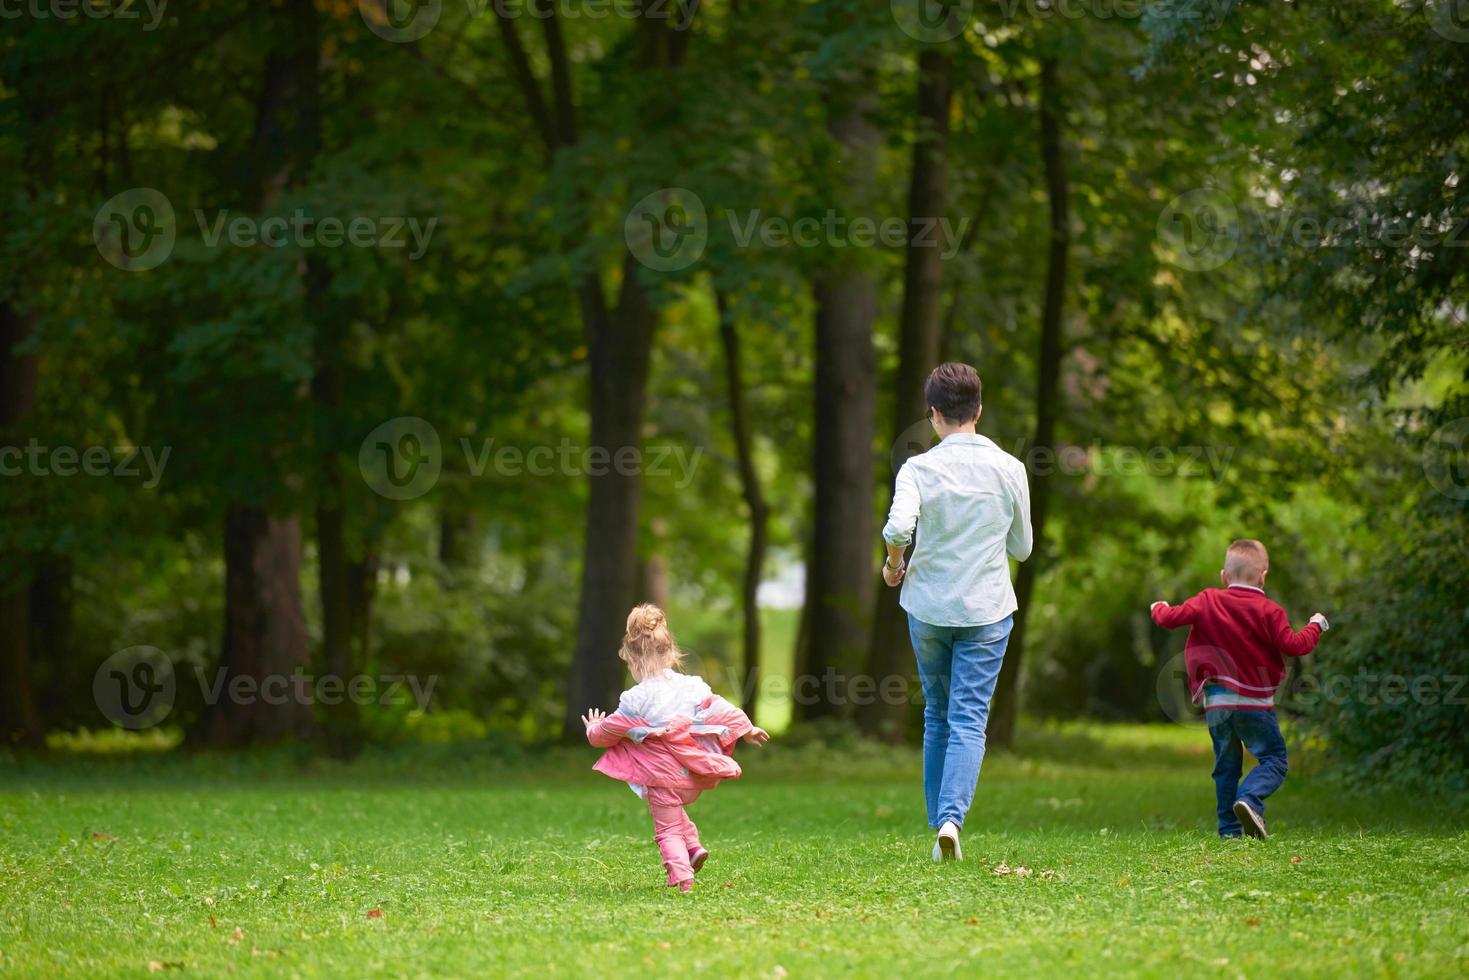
953 389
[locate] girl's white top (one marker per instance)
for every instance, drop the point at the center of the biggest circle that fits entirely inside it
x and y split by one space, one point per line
661 697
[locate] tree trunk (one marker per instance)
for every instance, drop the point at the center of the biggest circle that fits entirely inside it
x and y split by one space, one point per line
1006 707
56 675
842 571
619 343
653 581
619 351
19 721
458 538
921 330
264 629
754 502
334 569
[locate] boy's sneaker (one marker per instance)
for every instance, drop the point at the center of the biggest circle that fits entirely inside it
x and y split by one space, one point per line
1252 822
947 848
697 857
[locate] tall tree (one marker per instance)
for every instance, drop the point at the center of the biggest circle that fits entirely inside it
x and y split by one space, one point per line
19 721
264 626
754 501
1006 709
920 336
619 341
840 579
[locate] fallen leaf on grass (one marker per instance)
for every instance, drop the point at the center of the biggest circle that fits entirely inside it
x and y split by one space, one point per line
237 937
1252 921
155 965
665 945
1295 859
1048 874
971 921
212 923
103 835
1002 869
375 913
1023 872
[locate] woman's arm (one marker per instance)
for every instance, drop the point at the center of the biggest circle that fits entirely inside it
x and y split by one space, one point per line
897 534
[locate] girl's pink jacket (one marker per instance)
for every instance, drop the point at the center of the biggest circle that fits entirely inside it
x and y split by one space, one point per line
687 753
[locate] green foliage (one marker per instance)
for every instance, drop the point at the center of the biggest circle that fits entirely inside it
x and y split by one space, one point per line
1392 699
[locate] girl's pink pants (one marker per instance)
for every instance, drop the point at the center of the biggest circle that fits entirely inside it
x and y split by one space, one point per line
673 831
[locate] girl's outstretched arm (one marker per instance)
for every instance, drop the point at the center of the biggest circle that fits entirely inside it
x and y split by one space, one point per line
605 731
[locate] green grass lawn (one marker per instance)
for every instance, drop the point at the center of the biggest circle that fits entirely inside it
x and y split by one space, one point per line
441 864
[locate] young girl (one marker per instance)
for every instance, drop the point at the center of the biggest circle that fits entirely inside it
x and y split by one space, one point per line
670 739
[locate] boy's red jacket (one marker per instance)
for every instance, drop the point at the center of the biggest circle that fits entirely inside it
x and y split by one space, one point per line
1239 640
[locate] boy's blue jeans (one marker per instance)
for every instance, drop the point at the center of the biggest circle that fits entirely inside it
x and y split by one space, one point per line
1233 730
958 667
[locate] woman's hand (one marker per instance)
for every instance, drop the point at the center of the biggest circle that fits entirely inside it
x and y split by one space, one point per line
757 736
892 576
593 717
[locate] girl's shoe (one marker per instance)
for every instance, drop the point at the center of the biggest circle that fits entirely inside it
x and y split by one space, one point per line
685 886
697 857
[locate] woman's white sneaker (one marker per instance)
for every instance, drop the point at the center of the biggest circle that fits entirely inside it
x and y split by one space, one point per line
947 848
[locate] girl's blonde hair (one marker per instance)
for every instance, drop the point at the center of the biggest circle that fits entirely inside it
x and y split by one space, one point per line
647 646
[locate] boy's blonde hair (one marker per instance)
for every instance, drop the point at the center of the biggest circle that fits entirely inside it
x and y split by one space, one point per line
647 646
1245 561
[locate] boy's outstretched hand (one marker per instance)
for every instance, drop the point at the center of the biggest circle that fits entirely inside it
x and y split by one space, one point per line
1320 620
757 736
1155 605
593 716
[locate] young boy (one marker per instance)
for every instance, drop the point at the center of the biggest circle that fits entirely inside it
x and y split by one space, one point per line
1235 656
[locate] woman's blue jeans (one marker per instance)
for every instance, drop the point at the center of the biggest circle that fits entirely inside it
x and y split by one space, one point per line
958 667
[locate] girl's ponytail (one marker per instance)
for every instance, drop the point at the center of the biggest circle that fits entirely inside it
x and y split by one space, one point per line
647 645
